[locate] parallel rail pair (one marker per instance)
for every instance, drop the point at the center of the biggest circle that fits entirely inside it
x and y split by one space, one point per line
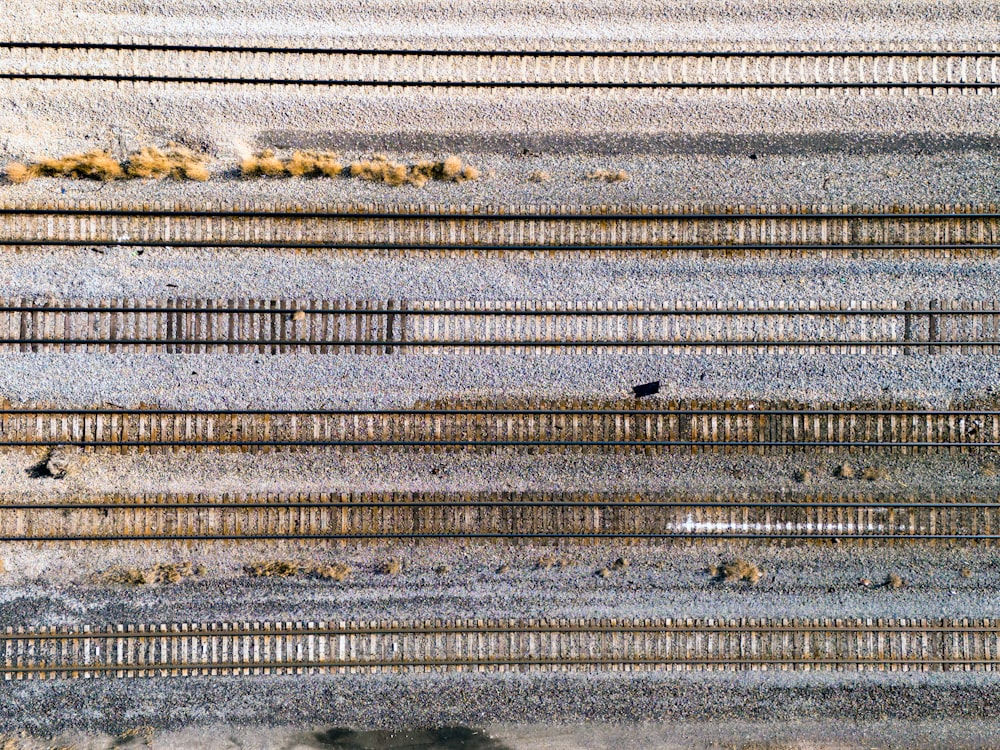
972 70
584 517
563 425
926 231
636 645
281 326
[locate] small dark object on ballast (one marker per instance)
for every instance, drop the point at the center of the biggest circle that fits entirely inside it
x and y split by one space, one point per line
646 389
58 464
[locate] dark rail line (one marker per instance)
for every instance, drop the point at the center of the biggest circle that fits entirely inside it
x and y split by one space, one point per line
710 428
507 344
707 536
473 247
366 83
154 47
473 312
463 215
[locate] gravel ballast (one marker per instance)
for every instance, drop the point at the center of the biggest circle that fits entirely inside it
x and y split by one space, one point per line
831 148
216 381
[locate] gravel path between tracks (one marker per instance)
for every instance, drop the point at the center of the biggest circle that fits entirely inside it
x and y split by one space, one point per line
501 130
92 274
61 586
929 706
745 170
501 471
221 381
498 22
955 733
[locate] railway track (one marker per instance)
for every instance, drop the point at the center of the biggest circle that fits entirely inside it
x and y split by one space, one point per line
160 650
400 326
565 425
973 70
967 231
869 518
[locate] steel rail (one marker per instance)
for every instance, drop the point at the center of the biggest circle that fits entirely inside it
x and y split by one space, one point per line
182 648
160 47
438 247
71 427
569 661
419 504
502 217
367 83
651 536
679 625
720 443
475 313
506 344
477 411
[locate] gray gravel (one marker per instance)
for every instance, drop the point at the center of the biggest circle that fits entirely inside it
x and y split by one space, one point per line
679 148
538 21
223 381
56 586
965 707
122 272
498 471
740 169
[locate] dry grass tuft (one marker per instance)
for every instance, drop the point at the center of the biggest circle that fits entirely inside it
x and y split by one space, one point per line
274 569
845 471
92 165
314 164
442 569
262 164
966 572
176 162
125 576
893 581
804 476
988 470
604 573
334 572
392 566
608 175
741 570
10 743
159 573
503 568
380 169
170 572
549 561
620 564
874 473
539 176
17 172
142 734
451 168
546 561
